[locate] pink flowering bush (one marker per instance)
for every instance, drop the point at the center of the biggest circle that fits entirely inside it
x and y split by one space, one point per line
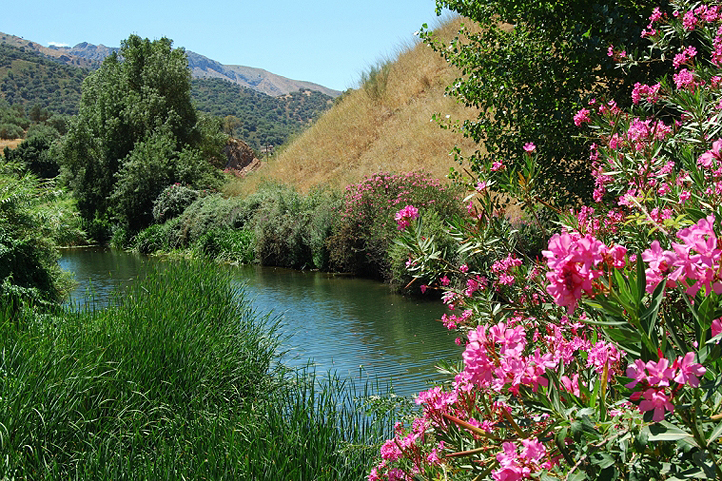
367 226
600 358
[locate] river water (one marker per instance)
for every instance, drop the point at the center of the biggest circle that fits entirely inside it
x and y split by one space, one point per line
355 328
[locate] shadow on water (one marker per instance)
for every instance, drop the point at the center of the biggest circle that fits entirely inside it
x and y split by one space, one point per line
355 328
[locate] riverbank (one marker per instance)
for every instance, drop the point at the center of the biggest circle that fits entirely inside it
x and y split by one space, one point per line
349 232
178 379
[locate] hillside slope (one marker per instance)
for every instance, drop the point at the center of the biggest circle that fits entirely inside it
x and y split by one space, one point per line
384 126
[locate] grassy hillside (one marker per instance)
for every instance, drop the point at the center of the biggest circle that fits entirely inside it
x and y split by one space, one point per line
386 125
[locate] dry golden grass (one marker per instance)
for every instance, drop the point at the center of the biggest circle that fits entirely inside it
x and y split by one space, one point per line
365 133
9 143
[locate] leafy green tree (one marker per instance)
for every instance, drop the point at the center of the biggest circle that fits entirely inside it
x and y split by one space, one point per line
528 66
135 120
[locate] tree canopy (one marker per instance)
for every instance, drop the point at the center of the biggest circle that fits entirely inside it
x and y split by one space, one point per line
135 126
527 65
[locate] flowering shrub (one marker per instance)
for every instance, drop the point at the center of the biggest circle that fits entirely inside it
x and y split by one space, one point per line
601 358
366 230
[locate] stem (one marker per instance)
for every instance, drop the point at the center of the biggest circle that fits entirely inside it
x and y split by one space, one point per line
702 443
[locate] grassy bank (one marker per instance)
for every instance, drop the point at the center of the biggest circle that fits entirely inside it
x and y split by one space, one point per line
178 381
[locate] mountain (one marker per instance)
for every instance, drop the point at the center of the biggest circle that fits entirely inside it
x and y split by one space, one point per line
88 55
31 81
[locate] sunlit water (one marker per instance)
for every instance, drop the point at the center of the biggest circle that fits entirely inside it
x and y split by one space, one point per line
355 328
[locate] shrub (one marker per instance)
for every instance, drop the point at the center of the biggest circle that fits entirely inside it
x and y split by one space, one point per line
604 361
227 245
173 201
206 213
29 272
366 229
11 131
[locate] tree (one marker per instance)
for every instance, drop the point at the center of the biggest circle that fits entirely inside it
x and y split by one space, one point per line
135 118
527 65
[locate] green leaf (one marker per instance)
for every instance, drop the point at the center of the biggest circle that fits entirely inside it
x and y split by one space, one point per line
715 434
665 431
601 459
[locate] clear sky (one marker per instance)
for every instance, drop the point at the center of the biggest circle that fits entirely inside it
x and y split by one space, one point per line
326 42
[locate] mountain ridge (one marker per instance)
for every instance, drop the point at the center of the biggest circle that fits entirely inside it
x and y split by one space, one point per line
90 56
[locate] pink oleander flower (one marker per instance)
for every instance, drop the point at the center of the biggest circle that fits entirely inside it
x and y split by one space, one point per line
572 260
390 450
684 79
529 147
717 327
481 186
688 372
715 153
638 373
650 93
571 385
405 215
603 354
496 166
659 373
582 117
657 400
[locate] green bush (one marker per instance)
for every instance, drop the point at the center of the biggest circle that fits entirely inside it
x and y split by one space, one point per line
206 213
291 230
28 256
433 226
11 131
227 245
173 201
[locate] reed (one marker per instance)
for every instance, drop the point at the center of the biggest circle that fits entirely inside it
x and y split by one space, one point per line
179 379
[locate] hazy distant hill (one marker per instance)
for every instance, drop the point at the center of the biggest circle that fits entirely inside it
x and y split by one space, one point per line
90 56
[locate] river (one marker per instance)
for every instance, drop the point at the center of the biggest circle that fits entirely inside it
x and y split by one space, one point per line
353 327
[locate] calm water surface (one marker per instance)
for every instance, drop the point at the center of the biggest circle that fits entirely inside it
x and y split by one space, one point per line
353 327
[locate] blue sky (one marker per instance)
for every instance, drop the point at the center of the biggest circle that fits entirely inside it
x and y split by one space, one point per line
326 42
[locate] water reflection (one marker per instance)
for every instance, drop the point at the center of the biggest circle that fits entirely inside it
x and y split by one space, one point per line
353 327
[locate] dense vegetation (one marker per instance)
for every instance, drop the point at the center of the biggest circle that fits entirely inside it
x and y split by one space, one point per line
527 65
257 118
136 133
351 231
27 79
178 379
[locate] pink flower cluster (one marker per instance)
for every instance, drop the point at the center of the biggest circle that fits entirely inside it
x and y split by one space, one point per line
494 359
695 262
648 92
514 465
655 378
405 215
573 262
503 267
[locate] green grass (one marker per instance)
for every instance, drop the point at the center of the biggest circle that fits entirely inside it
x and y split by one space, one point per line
179 380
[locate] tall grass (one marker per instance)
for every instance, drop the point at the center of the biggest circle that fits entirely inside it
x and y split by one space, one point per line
177 380
385 125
